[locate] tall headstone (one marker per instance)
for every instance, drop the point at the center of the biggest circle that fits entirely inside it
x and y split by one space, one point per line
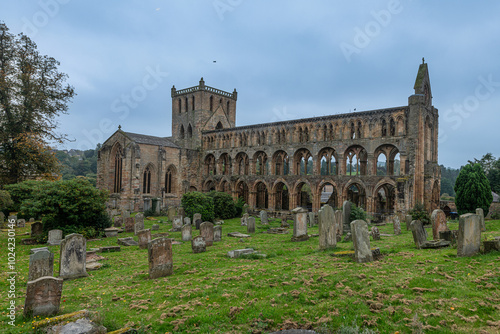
217 233
43 296
480 213
55 237
299 224
396 225
251 225
207 232
41 264
139 222
171 213
327 228
36 229
198 244
21 223
144 238
129 224
187 221
346 216
408 220
186 232
338 222
419 233
176 224
197 220
118 222
160 258
125 214
469 235
375 233
244 219
311 218
73 257
361 241
438 220
263 217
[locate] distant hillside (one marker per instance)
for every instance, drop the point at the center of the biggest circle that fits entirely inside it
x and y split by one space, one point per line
78 163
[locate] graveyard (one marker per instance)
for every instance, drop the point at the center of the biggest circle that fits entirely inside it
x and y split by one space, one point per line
279 285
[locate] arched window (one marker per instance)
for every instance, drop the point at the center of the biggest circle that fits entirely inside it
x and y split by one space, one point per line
169 180
219 126
353 131
117 184
180 105
359 129
227 106
190 131
211 103
392 127
192 103
186 106
146 181
181 134
384 128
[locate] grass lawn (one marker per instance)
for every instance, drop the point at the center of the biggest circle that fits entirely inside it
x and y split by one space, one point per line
296 286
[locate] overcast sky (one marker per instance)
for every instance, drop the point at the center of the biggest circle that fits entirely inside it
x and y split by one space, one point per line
287 59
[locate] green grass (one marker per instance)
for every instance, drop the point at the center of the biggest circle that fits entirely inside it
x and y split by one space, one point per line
296 286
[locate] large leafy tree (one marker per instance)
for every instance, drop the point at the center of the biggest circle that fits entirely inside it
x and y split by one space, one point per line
32 94
472 190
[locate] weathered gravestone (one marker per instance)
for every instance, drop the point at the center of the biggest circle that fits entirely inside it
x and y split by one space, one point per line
300 224
144 237
418 232
171 213
361 241
32 220
43 296
129 224
73 257
139 222
239 252
118 222
187 221
327 226
375 233
36 229
217 233
244 219
176 224
155 227
197 220
55 237
469 235
41 264
198 244
438 220
480 213
21 223
408 220
34 250
160 258
127 241
346 216
263 217
207 232
396 225
338 223
111 232
312 219
125 214
251 225
186 232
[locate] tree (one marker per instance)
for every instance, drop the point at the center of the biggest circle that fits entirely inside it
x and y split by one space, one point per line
472 190
32 94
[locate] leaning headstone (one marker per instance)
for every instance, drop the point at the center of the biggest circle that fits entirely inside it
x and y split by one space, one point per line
300 224
375 233
217 233
118 222
186 232
129 224
139 222
480 213
408 220
73 256
187 221
251 225
419 233
36 229
244 219
41 264
55 237
396 225
125 214
469 235
43 296
197 220
155 227
21 223
338 223
144 238
198 244
263 217
176 224
127 242
207 231
361 241
160 258
327 228
346 216
438 220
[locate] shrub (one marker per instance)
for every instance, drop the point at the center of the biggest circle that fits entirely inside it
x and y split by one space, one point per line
5 200
197 202
473 190
22 191
240 203
419 213
224 207
357 213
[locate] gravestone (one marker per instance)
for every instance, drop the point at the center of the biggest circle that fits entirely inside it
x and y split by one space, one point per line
300 224
187 221
346 216
111 232
36 229
327 228
176 224
155 227
12 219
217 233
55 237
186 232
312 219
43 296
438 220
244 219
284 221
480 213
129 224
469 234
396 225
408 220
160 258
41 264
361 241
239 252
375 233
73 257
34 250
198 244
21 223
118 222
197 220
251 225
419 233
207 232
139 222
144 237
32 220
263 218
171 213
338 222
125 214
127 242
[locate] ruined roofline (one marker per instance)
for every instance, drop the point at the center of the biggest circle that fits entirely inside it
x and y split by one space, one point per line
202 87
311 119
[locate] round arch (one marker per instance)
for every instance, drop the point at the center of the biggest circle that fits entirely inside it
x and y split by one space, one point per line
328 193
355 192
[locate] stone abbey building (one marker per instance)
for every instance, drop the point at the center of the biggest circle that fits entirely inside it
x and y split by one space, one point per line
383 160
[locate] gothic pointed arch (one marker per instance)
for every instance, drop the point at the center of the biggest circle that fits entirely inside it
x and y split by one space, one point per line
170 177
